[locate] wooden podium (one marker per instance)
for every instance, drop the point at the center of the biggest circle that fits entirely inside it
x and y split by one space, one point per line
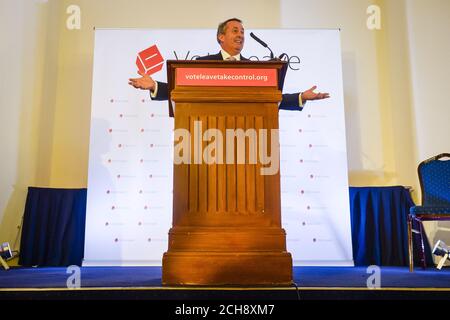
226 216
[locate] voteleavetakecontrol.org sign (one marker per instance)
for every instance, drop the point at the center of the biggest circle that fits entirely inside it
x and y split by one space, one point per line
226 77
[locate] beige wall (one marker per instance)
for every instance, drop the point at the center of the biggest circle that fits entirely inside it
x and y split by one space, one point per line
380 137
429 30
429 47
394 82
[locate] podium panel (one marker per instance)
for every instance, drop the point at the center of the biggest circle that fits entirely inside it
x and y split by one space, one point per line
226 210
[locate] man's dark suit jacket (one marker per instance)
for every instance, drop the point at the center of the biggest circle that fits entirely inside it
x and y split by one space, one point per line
289 101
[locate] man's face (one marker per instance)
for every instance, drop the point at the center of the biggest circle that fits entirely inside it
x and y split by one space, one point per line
233 39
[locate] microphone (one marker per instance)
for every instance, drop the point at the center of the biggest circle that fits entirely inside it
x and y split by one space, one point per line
261 43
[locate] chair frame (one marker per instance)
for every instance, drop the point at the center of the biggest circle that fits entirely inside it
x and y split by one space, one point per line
422 217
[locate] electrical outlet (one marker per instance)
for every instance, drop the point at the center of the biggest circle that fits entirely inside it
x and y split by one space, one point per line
5 251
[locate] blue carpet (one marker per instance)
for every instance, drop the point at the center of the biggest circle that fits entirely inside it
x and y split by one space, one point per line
353 277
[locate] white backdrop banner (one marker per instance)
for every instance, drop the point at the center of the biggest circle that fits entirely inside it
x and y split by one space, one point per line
129 208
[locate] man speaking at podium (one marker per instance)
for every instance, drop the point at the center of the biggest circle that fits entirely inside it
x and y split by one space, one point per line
230 36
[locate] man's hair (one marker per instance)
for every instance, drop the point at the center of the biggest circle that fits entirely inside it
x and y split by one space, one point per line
223 25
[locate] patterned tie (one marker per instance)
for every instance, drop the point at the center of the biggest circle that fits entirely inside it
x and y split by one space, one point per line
231 58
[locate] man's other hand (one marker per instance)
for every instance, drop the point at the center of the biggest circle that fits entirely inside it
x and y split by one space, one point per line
311 95
145 82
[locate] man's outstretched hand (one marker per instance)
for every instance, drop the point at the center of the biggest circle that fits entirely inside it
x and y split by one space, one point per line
145 82
311 95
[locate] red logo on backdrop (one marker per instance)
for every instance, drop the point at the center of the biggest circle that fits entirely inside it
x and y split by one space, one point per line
150 60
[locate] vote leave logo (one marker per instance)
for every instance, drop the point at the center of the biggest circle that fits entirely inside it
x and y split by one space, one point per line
150 60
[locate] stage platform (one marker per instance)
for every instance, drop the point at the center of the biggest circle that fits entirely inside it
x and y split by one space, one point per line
337 283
